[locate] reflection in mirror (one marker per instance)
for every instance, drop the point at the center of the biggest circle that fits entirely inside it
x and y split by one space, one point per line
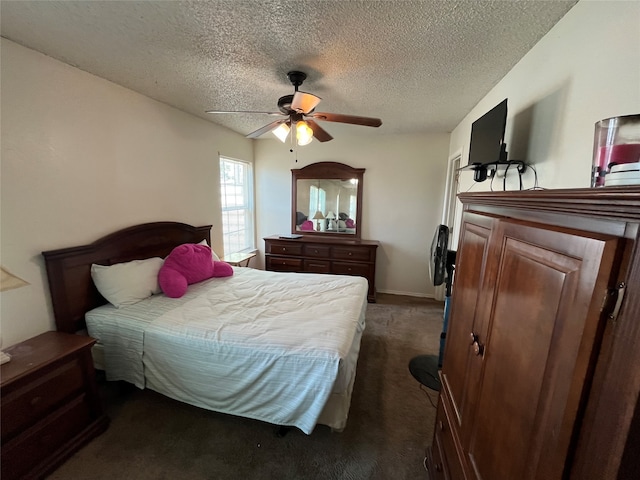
326 199
331 204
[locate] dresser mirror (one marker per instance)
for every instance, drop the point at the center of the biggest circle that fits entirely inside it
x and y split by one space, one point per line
326 199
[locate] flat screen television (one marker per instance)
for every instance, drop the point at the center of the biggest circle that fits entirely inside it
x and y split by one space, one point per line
487 137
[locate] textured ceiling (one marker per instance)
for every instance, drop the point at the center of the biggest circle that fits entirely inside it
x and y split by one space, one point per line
420 66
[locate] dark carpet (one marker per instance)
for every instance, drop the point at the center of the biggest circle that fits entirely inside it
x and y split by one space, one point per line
390 421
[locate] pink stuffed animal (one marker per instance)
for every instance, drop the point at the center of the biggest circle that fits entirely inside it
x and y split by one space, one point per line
187 264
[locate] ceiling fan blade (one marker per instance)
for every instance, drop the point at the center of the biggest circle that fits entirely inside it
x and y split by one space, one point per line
336 117
318 132
266 128
242 111
304 102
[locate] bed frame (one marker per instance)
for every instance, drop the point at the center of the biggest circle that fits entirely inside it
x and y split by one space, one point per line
69 269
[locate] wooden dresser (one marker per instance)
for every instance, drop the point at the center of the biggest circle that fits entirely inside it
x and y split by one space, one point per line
324 255
541 371
50 404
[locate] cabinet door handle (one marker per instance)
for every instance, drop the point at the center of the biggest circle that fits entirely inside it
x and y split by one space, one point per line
474 338
350 254
441 426
478 349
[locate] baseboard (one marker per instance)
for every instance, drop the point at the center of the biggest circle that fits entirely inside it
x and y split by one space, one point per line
407 294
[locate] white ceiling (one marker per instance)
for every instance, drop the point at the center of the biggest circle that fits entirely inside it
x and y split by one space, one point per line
420 66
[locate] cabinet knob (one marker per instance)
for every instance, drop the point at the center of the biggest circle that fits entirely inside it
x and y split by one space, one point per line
34 401
350 253
284 249
438 467
441 426
478 348
474 338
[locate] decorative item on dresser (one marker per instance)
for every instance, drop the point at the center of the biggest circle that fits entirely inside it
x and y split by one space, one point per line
318 254
541 372
50 404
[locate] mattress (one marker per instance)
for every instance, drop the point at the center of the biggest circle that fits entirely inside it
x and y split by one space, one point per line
271 346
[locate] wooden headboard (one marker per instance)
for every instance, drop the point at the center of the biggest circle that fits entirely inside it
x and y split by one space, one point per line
69 269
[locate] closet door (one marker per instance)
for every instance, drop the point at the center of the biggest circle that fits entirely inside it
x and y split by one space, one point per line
544 318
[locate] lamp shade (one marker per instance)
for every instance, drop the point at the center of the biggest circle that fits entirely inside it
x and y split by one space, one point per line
9 281
281 132
318 215
331 215
304 134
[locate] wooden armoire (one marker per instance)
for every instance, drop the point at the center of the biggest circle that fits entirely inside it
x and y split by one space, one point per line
541 371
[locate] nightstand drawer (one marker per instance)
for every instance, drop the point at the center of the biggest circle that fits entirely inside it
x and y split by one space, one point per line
27 404
45 439
50 404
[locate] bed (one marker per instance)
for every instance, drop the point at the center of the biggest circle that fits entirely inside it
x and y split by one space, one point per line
276 347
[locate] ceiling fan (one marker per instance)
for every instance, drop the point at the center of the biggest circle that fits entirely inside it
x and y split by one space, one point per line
299 110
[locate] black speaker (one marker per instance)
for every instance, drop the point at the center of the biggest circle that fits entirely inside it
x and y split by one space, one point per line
480 173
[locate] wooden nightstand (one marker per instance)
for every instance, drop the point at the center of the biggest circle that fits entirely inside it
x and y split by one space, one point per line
50 403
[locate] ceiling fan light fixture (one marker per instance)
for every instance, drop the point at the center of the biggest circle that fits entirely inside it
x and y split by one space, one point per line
282 132
304 134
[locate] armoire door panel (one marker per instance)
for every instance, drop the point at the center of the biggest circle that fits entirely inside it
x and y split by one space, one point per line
475 238
537 349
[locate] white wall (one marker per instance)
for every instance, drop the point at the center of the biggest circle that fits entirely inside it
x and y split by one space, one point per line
585 69
82 157
402 197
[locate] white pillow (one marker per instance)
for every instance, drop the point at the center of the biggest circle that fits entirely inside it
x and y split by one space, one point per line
127 283
213 254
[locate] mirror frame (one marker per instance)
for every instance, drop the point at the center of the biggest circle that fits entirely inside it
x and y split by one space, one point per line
327 171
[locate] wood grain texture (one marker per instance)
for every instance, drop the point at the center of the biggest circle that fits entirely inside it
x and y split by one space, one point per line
69 269
329 254
554 390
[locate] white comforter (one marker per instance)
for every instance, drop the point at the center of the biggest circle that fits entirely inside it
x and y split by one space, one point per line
263 345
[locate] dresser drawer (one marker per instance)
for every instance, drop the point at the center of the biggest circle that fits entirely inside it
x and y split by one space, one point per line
350 253
284 264
356 269
284 248
317 266
27 404
45 439
333 255
321 251
436 467
446 442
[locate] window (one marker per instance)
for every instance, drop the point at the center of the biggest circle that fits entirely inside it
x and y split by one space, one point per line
352 206
236 198
317 200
